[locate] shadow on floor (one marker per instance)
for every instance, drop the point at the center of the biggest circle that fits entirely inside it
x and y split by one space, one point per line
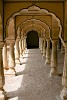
34 80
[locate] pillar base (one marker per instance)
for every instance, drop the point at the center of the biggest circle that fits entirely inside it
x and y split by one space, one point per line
26 49
47 62
63 94
2 95
58 98
21 55
53 72
40 49
41 52
43 57
5 71
6 68
10 72
23 52
17 61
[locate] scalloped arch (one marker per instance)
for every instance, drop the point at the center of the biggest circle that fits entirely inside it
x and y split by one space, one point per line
37 10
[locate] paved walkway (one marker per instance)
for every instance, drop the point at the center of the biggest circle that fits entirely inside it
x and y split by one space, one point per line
32 81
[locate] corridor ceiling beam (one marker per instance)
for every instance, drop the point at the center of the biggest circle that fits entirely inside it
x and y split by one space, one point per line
33 0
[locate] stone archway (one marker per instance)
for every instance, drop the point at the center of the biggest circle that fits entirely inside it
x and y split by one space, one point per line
32 40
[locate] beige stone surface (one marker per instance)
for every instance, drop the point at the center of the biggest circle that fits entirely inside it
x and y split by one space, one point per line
32 81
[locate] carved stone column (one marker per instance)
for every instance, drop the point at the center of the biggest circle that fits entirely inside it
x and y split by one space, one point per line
64 77
41 45
44 48
54 58
48 52
2 81
17 50
39 42
5 62
11 70
20 46
24 44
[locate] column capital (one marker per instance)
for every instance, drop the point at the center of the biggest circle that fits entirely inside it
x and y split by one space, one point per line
47 39
17 39
9 40
48 52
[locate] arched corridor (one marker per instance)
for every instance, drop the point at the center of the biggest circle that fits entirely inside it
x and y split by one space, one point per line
32 40
33 49
33 81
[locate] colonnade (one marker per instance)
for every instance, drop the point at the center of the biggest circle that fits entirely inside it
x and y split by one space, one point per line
52 59
17 48
8 61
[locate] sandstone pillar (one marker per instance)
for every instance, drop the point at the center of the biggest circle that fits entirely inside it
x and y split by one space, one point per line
25 43
44 48
2 81
64 77
41 45
11 70
23 46
48 52
20 46
17 50
39 42
5 63
54 58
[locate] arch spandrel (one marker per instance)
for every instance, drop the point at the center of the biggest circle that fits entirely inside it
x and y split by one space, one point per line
55 33
55 28
47 34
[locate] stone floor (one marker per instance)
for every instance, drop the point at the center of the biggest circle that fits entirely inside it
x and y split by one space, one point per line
33 81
